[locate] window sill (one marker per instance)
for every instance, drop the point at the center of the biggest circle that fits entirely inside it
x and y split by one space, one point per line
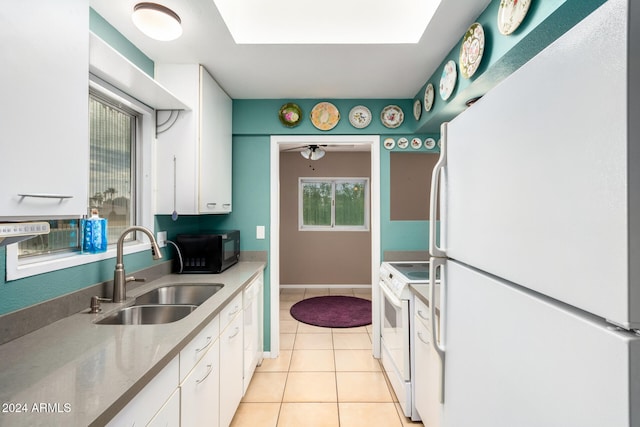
19 270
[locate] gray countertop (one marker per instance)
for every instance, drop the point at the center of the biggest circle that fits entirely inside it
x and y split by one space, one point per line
76 373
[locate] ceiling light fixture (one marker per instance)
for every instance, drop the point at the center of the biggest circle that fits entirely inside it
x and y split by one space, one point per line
313 152
157 21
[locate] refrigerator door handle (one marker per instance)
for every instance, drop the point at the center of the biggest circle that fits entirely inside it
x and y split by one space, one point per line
436 333
434 249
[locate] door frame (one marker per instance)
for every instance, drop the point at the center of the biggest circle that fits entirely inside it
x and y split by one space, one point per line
373 141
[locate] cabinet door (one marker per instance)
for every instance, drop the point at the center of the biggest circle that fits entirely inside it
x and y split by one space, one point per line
427 375
200 391
142 408
169 415
215 146
231 353
252 315
197 348
44 108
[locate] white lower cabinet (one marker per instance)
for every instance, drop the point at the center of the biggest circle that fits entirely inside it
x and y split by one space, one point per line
231 381
427 369
252 315
150 400
200 391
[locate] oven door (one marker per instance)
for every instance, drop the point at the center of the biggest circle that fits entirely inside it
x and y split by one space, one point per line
395 331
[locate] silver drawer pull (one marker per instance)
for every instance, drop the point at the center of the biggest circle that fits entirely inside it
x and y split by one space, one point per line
422 315
226 205
235 334
212 205
209 369
235 311
46 196
207 344
422 338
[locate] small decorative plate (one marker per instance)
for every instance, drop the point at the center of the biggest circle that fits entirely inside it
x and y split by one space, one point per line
428 97
471 50
417 109
403 143
429 143
360 117
290 115
448 80
325 116
389 143
511 13
392 116
416 143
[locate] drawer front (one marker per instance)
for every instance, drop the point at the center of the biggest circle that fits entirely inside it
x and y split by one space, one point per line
230 311
193 352
200 391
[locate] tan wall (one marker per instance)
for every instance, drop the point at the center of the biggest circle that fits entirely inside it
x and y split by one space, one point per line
321 257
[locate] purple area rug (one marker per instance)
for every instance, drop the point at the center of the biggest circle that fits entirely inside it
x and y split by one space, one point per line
333 311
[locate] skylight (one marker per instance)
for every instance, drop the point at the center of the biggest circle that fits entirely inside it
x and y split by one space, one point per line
327 21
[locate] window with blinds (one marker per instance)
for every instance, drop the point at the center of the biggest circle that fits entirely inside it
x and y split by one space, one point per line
113 130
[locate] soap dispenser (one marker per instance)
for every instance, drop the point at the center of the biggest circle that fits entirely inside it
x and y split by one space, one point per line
94 234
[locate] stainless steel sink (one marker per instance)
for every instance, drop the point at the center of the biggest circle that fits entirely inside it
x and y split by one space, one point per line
188 293
148 315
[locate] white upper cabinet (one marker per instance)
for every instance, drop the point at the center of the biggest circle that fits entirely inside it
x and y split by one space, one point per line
44 112
194 147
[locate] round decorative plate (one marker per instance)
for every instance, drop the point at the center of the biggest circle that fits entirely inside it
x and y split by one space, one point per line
511 13
325 116
429 143
417 109
416 143
360 117
389 143
392 116
290 115
448 80
471 50
403 143
428 97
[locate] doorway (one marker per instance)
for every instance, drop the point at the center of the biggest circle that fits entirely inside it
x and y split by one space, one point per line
372 142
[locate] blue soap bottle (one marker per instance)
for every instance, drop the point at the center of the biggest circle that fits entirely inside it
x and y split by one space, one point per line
94 234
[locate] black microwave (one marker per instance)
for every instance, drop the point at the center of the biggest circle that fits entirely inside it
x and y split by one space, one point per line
210 252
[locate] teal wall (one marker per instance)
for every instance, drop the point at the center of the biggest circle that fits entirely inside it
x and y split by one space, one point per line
101 28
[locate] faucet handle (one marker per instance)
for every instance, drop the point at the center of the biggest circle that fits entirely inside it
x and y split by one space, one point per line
95 304
135 279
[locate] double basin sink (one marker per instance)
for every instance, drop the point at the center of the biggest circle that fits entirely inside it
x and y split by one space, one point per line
165 304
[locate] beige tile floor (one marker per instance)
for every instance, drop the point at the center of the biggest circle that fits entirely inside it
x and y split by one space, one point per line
322 377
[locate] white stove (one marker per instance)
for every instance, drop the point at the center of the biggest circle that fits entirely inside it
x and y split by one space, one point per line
396 312
397 276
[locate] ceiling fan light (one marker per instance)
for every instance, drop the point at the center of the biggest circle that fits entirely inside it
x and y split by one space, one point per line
317 154
306 153
157 21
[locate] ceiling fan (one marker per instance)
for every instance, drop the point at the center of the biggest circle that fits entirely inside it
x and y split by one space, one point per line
310 151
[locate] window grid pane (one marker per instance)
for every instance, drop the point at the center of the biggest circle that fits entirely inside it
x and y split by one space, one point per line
316 202
110 186
350 203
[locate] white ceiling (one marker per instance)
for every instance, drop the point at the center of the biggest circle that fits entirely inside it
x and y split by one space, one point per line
298 71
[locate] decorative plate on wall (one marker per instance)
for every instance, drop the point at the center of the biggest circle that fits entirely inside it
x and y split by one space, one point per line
428 97
392 116
416 143
403 143
429 143
360 117
290 115
389 143
448 80
417 109
325 116
511 13
471 50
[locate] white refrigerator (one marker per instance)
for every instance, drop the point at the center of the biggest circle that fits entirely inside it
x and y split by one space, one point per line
539 239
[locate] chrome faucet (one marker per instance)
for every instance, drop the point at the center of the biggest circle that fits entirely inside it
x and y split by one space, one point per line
119 278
